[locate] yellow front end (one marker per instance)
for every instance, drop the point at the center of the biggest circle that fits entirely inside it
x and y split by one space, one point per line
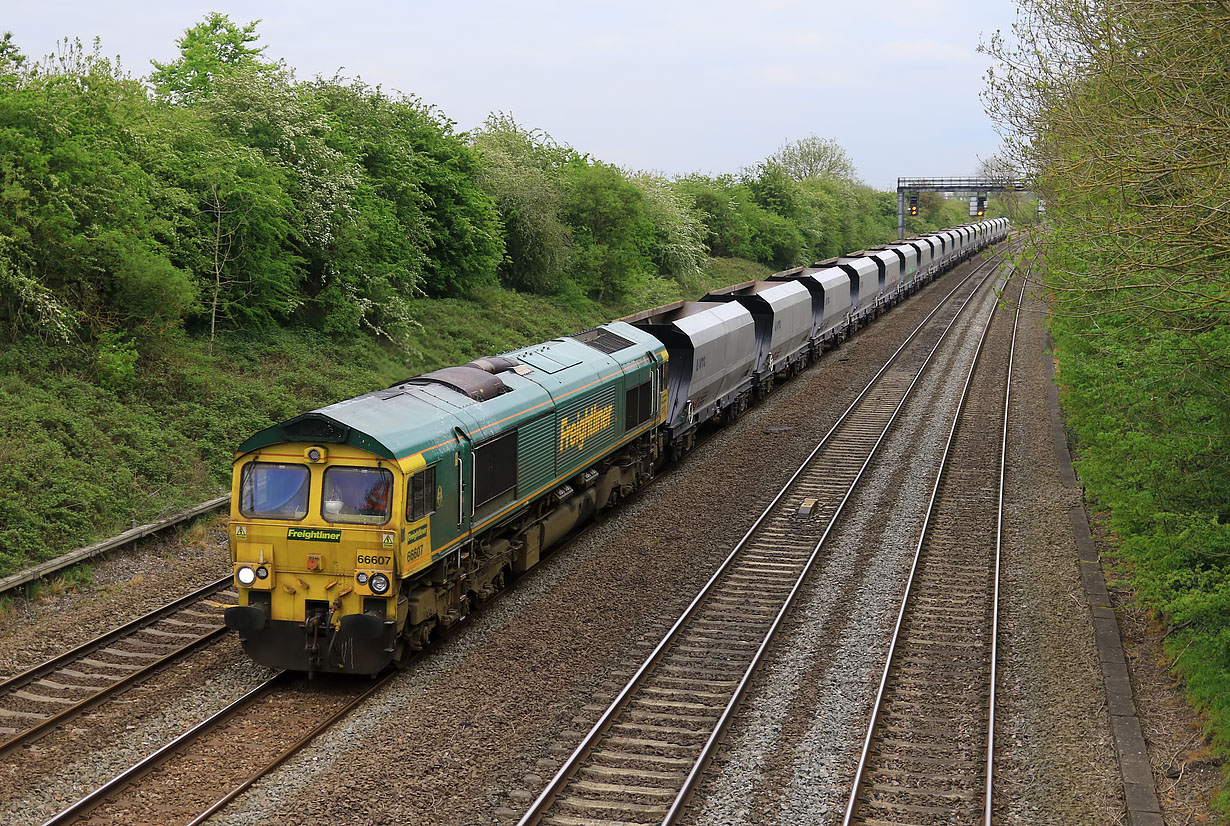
319 543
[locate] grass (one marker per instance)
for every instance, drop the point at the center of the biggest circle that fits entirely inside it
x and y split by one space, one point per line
73 578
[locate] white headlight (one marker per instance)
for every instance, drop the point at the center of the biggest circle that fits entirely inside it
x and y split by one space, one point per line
245 575
379 583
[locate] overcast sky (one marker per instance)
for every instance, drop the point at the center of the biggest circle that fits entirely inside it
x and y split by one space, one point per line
675 86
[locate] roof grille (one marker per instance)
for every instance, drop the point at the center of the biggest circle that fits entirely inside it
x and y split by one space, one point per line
603 340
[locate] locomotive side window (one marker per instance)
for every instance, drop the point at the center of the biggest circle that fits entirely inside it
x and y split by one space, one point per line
273 491
638 406
421 495
357 495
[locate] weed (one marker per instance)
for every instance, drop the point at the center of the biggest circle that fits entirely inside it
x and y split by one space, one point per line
73 578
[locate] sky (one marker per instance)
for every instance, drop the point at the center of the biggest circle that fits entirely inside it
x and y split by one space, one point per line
673 86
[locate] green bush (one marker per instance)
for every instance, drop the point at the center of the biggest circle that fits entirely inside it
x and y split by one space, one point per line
117 361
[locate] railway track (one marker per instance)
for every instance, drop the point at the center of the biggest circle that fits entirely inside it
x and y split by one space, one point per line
193 776
928 754
161 788
42 698
641 760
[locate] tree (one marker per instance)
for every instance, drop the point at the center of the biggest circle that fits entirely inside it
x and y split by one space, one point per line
522 170
248 268
678 248
216 47
612 226
85 241
815 157
1120 113
11 58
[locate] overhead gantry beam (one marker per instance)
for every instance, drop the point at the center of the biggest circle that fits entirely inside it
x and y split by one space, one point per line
973 186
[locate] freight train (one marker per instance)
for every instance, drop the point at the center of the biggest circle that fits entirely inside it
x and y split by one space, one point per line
359 530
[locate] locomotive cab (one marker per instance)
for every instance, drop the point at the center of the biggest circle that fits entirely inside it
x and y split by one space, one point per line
321 536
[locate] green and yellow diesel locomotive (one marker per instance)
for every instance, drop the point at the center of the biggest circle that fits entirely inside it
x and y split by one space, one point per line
360 528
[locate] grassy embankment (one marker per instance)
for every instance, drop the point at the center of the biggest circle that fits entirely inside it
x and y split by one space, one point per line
82 459
1148 424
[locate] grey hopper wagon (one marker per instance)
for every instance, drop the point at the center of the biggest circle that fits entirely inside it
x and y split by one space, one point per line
958 243
945 249
830 301
928 255
963 242
712 353
948 248
782 313
911 263
891 265
864 278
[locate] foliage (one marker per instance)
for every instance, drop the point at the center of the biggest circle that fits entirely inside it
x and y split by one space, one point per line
212 49
611 227
117 361
81 224
768 216
82 457
815 157
678 247
464 244
522 170
1120 113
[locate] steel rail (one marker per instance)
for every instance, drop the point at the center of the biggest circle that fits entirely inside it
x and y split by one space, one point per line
561 778
856 787
94 798
999 537
43 727
138 770
710 747
51 667
111 636
294 749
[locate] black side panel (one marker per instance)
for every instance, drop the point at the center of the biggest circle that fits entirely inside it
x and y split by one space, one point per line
495 468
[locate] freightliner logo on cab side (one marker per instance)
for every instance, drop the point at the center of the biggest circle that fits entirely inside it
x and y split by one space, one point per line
313 535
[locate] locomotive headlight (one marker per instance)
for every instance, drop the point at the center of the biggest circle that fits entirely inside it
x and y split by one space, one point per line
262 572
246 576
379 583
361 578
